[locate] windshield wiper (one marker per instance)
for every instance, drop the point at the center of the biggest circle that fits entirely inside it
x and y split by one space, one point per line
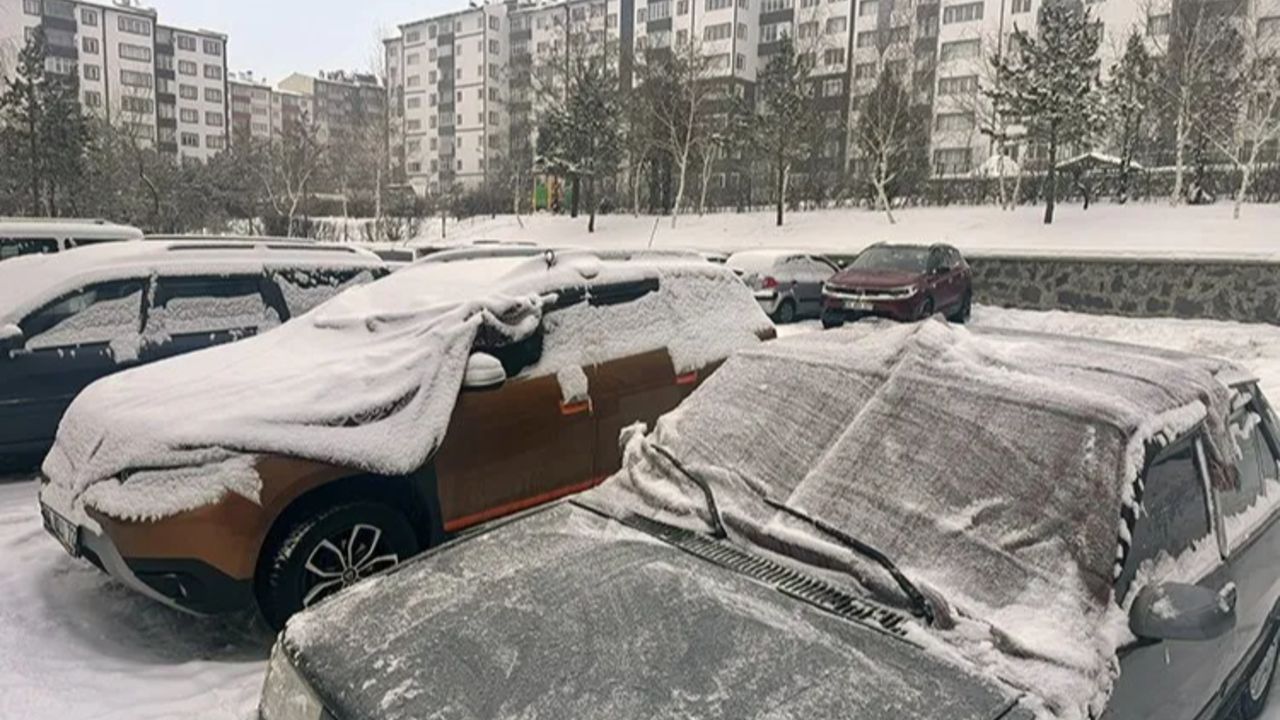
717 523
923 606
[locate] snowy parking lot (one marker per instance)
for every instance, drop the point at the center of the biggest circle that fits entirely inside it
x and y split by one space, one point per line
75 644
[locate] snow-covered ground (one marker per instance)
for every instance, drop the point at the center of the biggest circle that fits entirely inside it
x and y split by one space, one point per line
1143 229
75 645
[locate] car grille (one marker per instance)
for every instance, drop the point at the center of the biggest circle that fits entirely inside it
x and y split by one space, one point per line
867 294
784 579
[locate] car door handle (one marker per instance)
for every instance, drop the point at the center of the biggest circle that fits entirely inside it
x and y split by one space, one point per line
576 407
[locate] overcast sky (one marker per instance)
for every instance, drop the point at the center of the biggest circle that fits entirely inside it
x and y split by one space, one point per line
276 37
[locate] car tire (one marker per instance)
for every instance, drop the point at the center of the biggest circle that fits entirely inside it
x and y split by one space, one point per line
962 313
786 312
1260 678
831 320
322 553
926 309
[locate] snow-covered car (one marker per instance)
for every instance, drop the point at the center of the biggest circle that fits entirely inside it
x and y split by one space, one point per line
463 388
38 236
68 319
786 283
928 522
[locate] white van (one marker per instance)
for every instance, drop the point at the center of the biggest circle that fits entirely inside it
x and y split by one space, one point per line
31 236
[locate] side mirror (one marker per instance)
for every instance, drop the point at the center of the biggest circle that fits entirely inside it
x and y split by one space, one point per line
483 371
11 337
1175 611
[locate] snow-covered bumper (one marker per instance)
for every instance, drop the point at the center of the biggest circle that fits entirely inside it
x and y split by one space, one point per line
185 583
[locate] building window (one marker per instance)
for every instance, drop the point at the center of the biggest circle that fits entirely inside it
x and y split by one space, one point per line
775 5
495 47
168 135
214 118
213 72
1158 25
167 112
93 98
215 142
89 17
611 20
868 7
413 37
864 71
190 140
955 122
718 4
951 161
135 26
188 92
213 47
832 87
140 105
494 22
164 62
718 63
962 13
412 59
431 31
186 42
191 117
774 32
31 7
1269 27
213 95
958 85
136 79
659 10
1021 6
837 25
413 103
866 39
92 72
720 31
740 61
135 52
806 29
833 56
186 67
960 50
89 45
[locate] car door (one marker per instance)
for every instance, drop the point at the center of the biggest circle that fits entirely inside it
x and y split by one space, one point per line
1174 540
1248 506
193 312
69 343
820 271
529 441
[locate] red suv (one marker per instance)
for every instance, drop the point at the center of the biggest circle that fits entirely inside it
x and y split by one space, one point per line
903 282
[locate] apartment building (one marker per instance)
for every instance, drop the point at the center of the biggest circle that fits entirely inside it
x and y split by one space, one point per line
167 85
339 104
251 108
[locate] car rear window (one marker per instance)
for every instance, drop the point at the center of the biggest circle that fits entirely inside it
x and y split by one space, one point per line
185 305
304 289
13 247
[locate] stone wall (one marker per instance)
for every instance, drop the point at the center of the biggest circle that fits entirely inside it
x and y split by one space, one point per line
1244 290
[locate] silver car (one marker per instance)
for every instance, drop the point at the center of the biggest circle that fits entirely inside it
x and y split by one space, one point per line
787 283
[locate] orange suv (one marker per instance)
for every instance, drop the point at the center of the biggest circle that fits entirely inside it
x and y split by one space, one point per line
464 388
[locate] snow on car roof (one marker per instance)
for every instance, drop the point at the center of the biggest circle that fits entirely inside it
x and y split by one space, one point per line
29 281
992 467
66 228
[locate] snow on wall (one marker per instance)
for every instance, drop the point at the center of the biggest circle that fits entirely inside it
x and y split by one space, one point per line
992 468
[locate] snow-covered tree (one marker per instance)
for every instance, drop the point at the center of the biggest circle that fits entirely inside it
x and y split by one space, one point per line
1130 96
581 138
784 113
1050 84
892 137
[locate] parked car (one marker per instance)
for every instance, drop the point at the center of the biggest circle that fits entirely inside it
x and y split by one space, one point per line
30 236
786 283
461 389
69 319
903 282
928 522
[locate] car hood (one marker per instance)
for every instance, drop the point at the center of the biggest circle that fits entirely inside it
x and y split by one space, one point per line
570 614
874 279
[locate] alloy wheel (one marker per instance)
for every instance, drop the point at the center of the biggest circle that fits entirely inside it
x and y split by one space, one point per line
344 559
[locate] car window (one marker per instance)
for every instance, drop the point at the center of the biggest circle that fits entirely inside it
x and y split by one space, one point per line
1244 505
100 313
304 289
953 258
208 304
937 258
596 324
1174 514
13 247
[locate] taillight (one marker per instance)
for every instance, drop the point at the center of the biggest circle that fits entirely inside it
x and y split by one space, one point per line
769 283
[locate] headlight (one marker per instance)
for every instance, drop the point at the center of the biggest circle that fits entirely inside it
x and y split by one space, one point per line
286 696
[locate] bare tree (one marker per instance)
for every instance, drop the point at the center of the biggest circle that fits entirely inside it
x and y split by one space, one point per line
891 135
1190 38
290 163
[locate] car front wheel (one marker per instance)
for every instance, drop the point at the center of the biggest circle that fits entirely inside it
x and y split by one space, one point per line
786 312
323 553
1258 685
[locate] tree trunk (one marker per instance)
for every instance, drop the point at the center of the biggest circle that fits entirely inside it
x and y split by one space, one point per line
884 202
706 179
575 186
782 192
1246 176
1051 180
684 172
635 192
591 188
1180 140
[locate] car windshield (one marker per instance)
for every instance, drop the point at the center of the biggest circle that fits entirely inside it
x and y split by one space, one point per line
886 257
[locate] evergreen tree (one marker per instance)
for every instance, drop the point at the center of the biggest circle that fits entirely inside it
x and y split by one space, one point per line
21 117
1050 84
782 125
1130 95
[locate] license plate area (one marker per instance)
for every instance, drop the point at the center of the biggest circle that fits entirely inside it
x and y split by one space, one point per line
63 530
857 305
